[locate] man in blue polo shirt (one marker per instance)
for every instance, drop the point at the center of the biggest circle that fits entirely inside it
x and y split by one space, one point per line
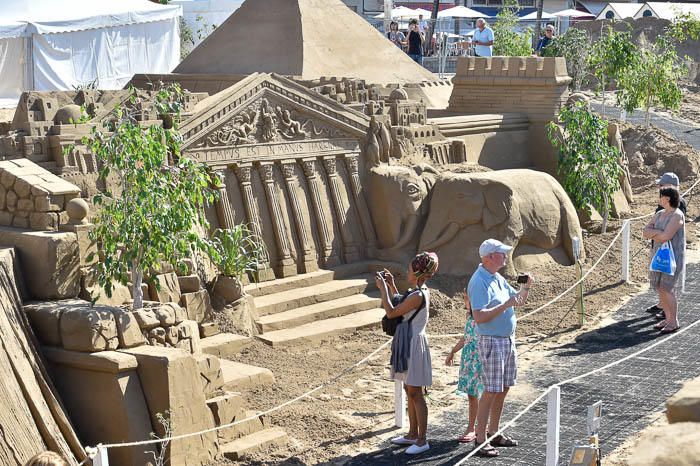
492 301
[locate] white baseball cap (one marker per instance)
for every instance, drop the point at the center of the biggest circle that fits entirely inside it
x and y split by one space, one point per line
493 245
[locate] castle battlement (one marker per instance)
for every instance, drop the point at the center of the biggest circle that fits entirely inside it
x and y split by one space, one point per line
509 71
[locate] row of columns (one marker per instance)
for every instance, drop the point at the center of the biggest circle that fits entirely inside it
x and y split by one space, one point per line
286 263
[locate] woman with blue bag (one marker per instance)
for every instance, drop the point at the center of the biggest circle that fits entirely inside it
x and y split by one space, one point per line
667 229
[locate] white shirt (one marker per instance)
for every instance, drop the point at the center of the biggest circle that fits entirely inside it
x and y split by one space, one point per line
422 26
483 36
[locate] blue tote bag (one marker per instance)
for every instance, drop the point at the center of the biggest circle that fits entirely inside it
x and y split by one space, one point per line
664 260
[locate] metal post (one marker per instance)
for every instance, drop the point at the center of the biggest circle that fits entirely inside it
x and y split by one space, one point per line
626 251
399 404
576 246
101 459
553 404
388 6
685 255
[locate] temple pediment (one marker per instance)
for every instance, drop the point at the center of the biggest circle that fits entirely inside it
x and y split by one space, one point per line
269 116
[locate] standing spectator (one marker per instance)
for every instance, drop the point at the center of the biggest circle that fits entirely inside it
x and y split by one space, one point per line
415 42
667 225
545 40
422 25
396 36
410 341
492 300
470 373
667 180
483 39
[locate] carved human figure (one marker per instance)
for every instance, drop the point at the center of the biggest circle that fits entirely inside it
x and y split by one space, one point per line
373 150
291 129
385 139
615 140
518 207
266 121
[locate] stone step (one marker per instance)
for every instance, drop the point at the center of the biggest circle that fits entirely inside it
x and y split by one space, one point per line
288 283
299 297
224 345
316 331
251 426
238 376
252 443
319 311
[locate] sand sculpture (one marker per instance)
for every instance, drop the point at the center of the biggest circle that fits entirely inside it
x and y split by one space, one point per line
529 210
341 167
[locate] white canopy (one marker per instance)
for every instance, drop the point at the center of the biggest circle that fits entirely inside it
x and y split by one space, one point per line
400 12
461 12
533 16
61 44
571 13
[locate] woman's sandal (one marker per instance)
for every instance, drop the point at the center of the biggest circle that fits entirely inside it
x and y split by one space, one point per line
488 451
666 330
503 441
661 325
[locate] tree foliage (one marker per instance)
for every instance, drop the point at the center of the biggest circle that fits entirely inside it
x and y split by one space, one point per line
685 27
652 78
153 215
575 46
588 165
507 41
610 55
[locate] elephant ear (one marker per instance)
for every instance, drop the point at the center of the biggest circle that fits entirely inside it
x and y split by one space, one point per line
499 205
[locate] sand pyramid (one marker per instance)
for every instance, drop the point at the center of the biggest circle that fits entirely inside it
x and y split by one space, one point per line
306 38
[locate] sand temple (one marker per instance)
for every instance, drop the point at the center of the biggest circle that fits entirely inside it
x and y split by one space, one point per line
336 148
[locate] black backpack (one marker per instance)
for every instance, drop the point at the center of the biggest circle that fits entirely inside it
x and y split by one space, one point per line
389 325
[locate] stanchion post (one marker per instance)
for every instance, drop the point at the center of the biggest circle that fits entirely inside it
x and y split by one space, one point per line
685 260
553 405
576 246
626 251
101 459
399 404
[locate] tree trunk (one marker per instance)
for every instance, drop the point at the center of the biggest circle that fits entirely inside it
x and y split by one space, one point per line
606 208
538 22
136 291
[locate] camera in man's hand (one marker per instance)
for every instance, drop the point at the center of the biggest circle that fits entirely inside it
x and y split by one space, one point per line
523 278
381 274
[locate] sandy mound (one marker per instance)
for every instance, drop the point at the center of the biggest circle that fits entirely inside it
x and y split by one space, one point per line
652 151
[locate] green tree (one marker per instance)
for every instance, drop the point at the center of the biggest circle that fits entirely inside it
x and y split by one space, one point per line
652 78
574 45
684 27
507 41
587 164
159 204
610 56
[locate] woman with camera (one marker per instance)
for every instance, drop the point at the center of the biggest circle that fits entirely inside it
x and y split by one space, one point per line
410 360
415 42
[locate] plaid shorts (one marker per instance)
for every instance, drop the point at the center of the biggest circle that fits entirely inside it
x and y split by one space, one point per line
499 362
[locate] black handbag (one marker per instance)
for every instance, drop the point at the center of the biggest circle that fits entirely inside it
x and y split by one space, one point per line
389 325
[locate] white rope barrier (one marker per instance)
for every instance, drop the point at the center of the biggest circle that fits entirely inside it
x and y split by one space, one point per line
100 449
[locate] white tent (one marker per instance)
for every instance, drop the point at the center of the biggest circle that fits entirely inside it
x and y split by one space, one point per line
533 16
666 10
618 10
400 12
571 13
60 44
461 12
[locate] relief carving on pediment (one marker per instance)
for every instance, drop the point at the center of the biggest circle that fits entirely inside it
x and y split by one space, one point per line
263 122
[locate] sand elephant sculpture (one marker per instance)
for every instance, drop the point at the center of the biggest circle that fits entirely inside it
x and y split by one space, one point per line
524 208
398 202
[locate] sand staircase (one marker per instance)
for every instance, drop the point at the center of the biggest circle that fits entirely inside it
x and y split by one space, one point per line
454 126
309 307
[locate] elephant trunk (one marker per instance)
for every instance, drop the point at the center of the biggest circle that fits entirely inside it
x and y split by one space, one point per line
445 237
409 231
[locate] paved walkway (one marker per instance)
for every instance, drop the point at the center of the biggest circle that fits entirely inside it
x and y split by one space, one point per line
631 392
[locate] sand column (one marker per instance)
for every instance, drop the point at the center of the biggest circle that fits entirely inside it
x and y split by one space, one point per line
351 162
286 266
330 259
308 260
349 247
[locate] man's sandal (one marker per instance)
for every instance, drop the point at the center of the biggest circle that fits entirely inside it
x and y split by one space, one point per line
487 451
503 441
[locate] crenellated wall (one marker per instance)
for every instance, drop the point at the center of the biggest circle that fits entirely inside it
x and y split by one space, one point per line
534 86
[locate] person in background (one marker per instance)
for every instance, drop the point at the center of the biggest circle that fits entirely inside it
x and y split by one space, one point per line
46 458
483 39
493 301
397 37
415 42
470 372
667 180
667 225
545 40
410 340
422 25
